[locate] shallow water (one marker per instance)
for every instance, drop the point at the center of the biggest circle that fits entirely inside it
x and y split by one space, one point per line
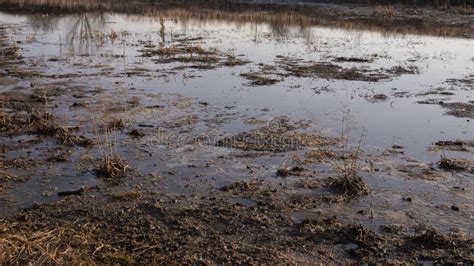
396 120
76 42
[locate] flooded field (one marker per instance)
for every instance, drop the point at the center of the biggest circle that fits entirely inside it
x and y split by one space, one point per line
174 133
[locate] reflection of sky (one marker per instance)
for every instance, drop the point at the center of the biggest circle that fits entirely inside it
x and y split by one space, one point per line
395 121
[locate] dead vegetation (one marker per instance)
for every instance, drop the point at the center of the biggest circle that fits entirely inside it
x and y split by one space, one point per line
44 123
78 230
456 109
467 82
10 52
191 54
328 70
353 59
429 237
40 122
295 67
455 164
454 145
182 52
420 170
125 195
401 70
257 79
200 229
279 136
350 184
294 171
6 123
112 167
320 155
430 244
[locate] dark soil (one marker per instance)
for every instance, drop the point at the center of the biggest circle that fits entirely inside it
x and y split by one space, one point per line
153 228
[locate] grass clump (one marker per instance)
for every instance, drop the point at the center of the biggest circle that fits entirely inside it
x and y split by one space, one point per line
348 181
350 184
453 164
112 166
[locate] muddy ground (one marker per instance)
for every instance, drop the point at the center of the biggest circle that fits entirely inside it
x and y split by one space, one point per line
119 174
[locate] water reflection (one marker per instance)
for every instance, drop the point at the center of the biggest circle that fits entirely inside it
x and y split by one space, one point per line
279 20
82 31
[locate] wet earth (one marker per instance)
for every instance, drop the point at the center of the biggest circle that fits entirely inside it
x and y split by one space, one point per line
195 135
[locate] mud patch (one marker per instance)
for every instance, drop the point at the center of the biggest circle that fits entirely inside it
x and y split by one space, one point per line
457 109
282 138
453 145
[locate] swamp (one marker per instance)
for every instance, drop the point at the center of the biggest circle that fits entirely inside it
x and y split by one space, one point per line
237 132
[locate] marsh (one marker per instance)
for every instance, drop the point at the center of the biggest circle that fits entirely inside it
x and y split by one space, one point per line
235 132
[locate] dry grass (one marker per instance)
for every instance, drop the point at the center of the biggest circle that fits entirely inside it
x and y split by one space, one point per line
453 164
40 121
42 246
45 123
350 184
113 36
258 80
163 51
388 12
348 181
126 195
112 166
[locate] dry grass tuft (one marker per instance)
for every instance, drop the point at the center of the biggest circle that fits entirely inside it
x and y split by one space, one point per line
453 164
350 184
112 167
348 181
